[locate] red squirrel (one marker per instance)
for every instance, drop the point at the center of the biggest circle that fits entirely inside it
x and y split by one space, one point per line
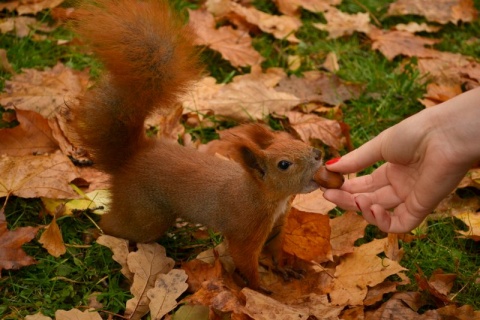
150 61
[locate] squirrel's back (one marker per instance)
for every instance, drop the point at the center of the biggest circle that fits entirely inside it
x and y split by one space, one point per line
150 60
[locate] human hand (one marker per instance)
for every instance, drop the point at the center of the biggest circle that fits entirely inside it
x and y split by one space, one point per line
426 157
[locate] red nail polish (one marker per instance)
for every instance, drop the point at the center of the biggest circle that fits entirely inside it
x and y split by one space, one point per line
332 161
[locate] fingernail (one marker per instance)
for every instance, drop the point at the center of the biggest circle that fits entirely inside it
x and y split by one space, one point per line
332 161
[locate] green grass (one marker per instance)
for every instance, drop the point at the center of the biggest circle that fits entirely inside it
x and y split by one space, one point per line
389 97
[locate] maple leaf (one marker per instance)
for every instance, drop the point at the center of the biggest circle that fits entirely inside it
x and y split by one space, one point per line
12 255
438 93
37 316
313 202
32 136
147 263
37 176
340 24
472 220
307 236
43 91
345 230
360 269
234 45
414 27
22 26
441 11
291 7
394 43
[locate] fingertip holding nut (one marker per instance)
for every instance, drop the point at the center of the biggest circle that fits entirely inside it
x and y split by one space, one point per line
328 179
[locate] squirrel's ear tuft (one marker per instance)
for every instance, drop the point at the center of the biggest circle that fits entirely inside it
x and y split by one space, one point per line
253 161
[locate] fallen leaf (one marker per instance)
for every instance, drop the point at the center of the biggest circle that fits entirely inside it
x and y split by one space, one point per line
438 93
425 285
361 269
163 296
37 176
37 316
472 220
414 27
346 229
465 312
43 91
199 271
192 312
376 293
442 282
441 11
147 263
75 314
307 236
281 27
4 63
52 239
394 43
234 45
313 202
311 126
292 7
21 26
331 62
394 309
341 24
12 255
120 251
32 136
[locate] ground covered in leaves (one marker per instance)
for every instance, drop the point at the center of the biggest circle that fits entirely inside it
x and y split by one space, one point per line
334 73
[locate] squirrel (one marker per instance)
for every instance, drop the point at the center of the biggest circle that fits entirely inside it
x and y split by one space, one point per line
150 61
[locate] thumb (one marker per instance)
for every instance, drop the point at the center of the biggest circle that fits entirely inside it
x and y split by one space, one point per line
360 158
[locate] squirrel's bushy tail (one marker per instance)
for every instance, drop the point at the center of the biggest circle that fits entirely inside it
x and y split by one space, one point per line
149 59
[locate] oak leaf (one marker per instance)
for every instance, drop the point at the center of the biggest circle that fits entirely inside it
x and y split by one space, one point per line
120 251
341 24
292 7
12 255
37 176
441 11
32 136
359 270
147 263
37 316
75 314
307 236
234 45
43 91
163 296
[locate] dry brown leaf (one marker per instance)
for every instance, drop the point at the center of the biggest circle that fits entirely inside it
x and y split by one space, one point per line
32 136
20 26
52 239
43 91
120 251
414 27
376 293
320 87
311 126
440 298
438 93
281 27
307 236
313 202
199 271
163 296
234 45
331 62
292 7
341 24
395 309
472 220
446 68
147 263
465 312
361 269
75 314
12 255
394 43
441 11
442 282
346 229
37 316
4 63
30 7
37 176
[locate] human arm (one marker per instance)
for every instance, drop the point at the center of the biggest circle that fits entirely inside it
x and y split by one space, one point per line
426 157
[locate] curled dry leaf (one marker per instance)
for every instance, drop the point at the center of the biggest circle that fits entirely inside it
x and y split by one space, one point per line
32 136
37 316
163 296
341 24
441 11
75 314
472 220
37 176
313 202
414 27
4 63
234 45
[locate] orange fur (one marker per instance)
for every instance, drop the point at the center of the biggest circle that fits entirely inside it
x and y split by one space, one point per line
149 61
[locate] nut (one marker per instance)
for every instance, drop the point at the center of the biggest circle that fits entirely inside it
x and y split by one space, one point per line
328 179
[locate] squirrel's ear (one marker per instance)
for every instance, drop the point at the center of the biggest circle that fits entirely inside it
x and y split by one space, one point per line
253 161
258 134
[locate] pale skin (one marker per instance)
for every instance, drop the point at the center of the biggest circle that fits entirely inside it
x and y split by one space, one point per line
426 156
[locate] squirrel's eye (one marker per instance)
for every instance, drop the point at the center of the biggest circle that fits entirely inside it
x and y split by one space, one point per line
284 164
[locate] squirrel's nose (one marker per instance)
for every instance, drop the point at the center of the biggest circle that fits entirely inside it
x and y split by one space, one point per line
318 154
